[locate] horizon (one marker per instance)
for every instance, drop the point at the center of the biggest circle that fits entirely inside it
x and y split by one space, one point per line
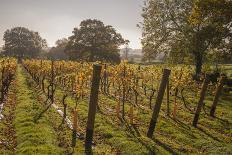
57 21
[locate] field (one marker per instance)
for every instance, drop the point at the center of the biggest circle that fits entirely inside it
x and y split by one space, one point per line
46 108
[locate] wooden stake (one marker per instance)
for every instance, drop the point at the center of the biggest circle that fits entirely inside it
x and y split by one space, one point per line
168 103
131 114
217 95
92 107
175 104
159 99
118 109
74 133
200 102
75 120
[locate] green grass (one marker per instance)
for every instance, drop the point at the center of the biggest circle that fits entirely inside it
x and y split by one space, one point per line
113 135
213 135
108 131
63 131
32 138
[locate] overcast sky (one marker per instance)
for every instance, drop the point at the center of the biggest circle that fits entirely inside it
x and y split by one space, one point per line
55 19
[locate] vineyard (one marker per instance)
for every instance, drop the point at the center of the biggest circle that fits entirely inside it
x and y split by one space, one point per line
69 107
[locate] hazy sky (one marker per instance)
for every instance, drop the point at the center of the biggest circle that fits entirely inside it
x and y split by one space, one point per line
55 19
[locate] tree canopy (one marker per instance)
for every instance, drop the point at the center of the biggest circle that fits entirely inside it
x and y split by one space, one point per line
22 42
57 52
186 28
94 41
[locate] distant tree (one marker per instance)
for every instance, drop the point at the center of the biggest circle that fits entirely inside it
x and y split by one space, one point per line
186 28
94 41
21 42
57 52
225 51
220 55
126 51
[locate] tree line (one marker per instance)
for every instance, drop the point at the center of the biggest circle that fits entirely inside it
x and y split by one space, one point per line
91 41
186 31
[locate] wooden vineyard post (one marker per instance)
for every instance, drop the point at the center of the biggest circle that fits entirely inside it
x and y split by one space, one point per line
43 87
40 80
2 82
75 120
74 137
52 82
131 114
118 109
118 103
158 103
175 104
168 103
123 93
65 107
92 107
105 78
200 102
217 95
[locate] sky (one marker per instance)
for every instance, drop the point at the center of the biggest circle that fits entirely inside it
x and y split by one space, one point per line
55 19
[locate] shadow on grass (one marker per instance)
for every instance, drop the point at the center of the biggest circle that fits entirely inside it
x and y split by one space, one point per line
131 132
165 146
211 136
182 127
180 123
225 122
133 129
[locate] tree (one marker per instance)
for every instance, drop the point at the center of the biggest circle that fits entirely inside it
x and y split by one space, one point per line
21 42
58 51
94 41
187 27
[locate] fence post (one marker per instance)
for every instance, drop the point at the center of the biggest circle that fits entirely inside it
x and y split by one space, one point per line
168 103
92 107
200 102
131 114
2 82
74 137
105 78
40 80
123 92
52 82
217 95
175 104
159 99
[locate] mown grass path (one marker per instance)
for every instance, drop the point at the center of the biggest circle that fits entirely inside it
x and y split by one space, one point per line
32 138
119 142
64 134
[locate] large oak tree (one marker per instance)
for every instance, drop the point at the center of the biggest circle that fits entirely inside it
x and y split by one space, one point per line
22 42
94 41
183 28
